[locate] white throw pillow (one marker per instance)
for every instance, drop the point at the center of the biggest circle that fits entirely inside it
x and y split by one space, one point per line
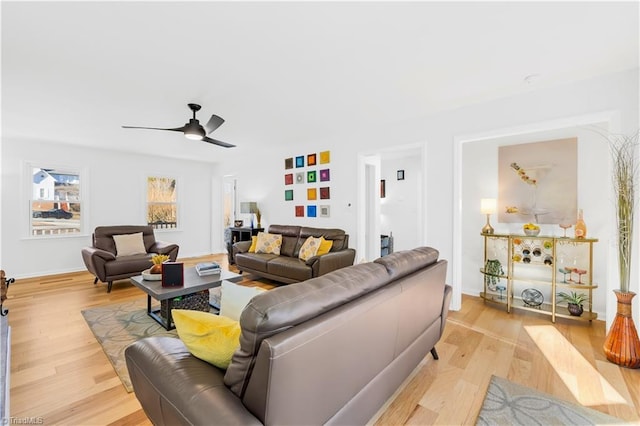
234 298
129 244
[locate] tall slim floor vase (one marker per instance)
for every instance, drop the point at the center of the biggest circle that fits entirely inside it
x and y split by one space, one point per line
622 345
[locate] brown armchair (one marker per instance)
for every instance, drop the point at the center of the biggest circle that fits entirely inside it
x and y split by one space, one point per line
102 259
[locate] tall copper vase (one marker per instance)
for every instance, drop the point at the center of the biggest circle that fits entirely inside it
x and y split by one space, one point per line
622 345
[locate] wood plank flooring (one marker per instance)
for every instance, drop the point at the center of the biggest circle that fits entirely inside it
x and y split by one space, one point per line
60 373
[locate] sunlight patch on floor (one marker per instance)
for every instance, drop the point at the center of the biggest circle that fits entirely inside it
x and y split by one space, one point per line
570 365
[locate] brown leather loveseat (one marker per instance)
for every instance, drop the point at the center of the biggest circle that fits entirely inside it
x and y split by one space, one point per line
287 267
329 350
103 261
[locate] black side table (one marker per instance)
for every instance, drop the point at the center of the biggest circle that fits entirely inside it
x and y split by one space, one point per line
240 234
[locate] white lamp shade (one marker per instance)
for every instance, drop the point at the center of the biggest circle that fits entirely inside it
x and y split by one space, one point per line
488 205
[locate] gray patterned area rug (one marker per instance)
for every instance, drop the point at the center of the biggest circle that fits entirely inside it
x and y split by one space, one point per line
117 326
507 403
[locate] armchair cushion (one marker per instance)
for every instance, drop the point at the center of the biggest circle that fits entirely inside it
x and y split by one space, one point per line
129 244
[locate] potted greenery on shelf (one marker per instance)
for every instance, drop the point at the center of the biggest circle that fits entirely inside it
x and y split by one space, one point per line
622 345
574 302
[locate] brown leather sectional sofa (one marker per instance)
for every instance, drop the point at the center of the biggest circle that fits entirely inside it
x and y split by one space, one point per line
287 267
329 350
101 259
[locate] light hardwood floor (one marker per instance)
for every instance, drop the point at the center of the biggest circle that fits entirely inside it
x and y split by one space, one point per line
60 373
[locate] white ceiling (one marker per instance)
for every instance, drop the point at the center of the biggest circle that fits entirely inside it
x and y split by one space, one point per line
286 72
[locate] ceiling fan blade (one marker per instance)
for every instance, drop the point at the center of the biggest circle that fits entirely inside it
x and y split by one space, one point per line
177 129
217 142
213 123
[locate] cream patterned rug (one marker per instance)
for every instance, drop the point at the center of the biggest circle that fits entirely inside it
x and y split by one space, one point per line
507 403
117 326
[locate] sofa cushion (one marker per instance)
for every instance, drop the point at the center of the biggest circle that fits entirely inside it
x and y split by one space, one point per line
284 307
309 248
212 338
127 264
268 243
256 261
103 236
129 244
290 236
405 262
337 236
289 267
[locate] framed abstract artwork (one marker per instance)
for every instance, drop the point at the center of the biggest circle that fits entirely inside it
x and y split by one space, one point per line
325 157
288 195
288 163
538 181
288 179
311 211
325 211
325 193
300 161
311 160
324 175
312 194
299 211
300 177
311 176
400 174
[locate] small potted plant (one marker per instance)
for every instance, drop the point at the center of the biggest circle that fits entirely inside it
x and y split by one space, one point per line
574 302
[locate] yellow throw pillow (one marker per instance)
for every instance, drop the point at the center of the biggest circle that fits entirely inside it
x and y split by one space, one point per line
325 246
309 248
268 243
212 338
254 242
129 244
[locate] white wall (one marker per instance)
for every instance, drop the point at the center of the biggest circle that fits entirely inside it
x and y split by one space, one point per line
115 195
399 210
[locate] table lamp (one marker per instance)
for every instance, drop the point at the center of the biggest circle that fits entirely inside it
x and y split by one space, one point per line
488 207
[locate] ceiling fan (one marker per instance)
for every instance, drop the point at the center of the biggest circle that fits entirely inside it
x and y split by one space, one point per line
193 129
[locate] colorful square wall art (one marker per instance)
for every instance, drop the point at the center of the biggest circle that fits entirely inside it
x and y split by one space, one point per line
288 195
325 211
325 157
300 161
300 177
311 211
288 163
311 160
311 176
288 179
324 175
312 194
325 193
299 211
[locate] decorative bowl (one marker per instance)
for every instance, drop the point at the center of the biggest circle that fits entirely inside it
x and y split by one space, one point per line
150 277
532 232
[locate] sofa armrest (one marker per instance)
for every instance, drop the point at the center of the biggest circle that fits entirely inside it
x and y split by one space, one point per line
445 306
95 259
169 249
331 261
241 247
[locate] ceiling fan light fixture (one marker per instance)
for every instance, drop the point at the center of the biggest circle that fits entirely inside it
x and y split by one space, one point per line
196 135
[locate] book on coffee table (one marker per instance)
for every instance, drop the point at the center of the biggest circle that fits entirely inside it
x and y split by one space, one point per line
208 268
